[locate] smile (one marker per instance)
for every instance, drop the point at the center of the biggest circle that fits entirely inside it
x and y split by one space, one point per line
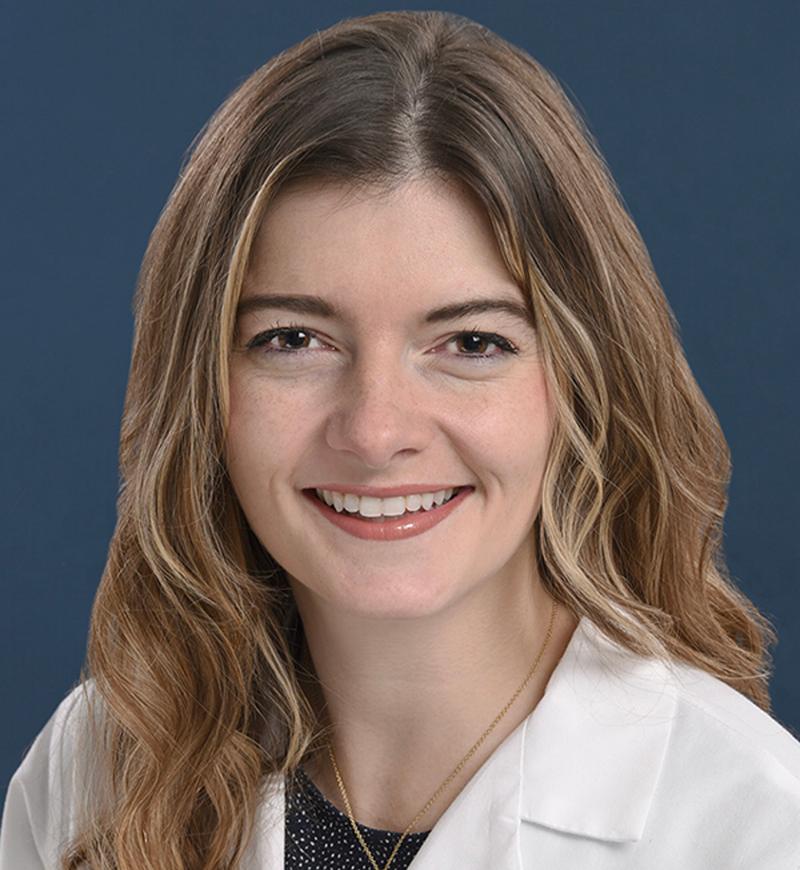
388 519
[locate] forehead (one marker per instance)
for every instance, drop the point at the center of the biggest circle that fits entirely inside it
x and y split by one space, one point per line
423 235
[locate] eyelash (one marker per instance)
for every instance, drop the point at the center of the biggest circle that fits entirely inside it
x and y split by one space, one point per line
504 344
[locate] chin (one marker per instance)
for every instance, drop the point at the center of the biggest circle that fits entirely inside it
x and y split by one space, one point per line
398 601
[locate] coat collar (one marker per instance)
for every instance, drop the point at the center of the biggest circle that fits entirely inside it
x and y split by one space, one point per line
596 742
585 762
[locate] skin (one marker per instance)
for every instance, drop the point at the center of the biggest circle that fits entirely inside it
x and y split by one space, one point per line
417 643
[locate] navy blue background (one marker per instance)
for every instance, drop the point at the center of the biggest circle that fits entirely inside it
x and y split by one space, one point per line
694 106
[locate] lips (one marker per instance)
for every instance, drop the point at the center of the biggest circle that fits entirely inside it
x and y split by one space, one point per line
408 525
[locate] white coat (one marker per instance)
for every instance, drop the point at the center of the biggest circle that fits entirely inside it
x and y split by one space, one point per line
625 764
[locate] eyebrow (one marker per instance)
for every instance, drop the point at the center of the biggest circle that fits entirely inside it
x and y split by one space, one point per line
309 304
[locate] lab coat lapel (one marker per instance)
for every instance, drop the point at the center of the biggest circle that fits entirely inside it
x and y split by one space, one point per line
267 841
597 740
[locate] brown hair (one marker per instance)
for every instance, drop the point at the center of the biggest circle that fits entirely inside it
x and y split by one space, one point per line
194 640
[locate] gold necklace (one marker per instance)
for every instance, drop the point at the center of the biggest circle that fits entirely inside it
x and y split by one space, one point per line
455 772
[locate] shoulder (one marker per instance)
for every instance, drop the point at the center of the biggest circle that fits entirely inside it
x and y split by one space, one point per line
709 722
712 711
732 773
40 806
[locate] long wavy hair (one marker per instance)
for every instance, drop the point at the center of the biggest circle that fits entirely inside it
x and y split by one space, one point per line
195 647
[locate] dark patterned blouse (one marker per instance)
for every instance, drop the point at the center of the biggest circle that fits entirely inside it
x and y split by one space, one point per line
320 837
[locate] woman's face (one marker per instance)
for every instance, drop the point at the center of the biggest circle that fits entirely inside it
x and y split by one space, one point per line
378 396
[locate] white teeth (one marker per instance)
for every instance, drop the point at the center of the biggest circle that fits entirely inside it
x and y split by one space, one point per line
369 506
350 502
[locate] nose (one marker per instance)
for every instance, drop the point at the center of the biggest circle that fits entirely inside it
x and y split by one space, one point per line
380 412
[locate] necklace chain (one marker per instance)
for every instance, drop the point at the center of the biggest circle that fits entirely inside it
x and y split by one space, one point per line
458 768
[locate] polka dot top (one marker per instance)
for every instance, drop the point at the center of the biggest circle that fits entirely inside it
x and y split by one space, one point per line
320 837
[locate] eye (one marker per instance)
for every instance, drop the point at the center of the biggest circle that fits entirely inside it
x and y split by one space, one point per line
475 340
294 335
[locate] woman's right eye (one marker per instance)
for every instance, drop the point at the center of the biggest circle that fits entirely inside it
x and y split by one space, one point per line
293 336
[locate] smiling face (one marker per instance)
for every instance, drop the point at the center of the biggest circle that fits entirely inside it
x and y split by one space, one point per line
381 395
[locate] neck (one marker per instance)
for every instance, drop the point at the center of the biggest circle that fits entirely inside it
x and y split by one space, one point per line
406 699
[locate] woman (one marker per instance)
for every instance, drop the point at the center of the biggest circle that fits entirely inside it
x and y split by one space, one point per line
418 547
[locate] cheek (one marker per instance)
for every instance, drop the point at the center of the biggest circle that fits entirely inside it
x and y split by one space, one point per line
511 432
264 433
244 422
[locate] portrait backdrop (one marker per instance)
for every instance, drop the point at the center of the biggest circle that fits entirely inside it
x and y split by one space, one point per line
694 106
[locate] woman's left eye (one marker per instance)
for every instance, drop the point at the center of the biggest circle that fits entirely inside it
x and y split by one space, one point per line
473 340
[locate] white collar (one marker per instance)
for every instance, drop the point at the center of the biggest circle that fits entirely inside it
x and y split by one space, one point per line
585 761
595 744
